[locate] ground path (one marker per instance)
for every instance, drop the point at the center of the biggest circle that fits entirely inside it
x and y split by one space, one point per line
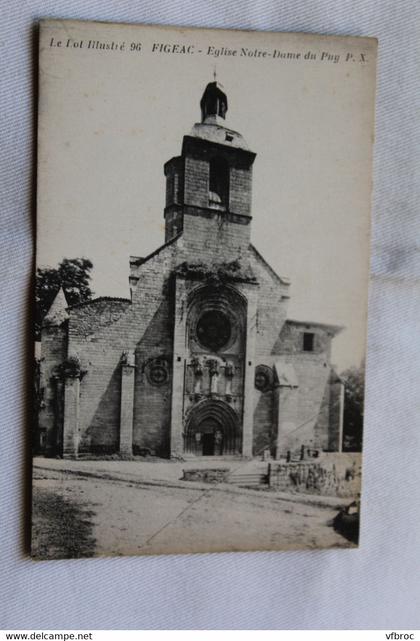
136 514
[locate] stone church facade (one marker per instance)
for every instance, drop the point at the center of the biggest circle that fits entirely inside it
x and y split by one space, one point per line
202 360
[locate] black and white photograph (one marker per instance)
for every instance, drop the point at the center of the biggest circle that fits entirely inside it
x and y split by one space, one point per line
203 221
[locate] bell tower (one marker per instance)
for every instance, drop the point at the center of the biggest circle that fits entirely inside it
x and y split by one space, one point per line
209 186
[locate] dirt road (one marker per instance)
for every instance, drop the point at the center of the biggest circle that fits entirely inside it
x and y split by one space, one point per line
120 518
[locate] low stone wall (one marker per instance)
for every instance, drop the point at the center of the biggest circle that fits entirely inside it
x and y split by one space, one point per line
330 476
215 475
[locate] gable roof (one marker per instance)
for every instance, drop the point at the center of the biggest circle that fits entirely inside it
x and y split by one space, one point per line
98 300
334 329
281 279
139 261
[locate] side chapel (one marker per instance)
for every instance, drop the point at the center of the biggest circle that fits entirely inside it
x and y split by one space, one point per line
202 359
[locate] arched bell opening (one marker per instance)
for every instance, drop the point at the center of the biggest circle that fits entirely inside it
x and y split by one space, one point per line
212 429
219 183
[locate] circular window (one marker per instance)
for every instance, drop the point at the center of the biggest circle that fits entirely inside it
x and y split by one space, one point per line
214 330
157 371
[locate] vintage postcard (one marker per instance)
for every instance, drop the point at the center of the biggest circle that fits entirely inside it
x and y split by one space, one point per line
201 289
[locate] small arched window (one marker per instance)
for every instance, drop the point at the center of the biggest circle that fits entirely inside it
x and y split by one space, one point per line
219 183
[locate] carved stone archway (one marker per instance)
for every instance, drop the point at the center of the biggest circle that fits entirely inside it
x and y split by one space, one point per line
212 428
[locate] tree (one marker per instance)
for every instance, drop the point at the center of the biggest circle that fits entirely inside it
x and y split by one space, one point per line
354 381
72 274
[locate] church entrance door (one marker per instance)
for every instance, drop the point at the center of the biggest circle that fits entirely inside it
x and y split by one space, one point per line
211 437
212 429
208 444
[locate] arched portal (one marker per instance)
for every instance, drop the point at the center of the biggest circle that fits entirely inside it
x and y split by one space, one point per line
212 429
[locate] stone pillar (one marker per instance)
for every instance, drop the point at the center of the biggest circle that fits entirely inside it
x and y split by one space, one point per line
198 376
178 369
229 373
71 434
127 407
285 409
57 447
336 415
249 366
341 419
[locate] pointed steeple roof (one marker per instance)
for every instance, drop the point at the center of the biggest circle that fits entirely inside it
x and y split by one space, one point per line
57 313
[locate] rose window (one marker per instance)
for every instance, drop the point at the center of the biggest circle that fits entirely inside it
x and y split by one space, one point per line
213 330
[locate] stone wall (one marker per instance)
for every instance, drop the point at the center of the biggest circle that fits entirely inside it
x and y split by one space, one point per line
273 297
214 238
240 197
96 336
196 182
99 332
264 432
209 475
153 383
337 475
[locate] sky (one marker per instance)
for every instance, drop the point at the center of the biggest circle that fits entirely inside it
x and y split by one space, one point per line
109 120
